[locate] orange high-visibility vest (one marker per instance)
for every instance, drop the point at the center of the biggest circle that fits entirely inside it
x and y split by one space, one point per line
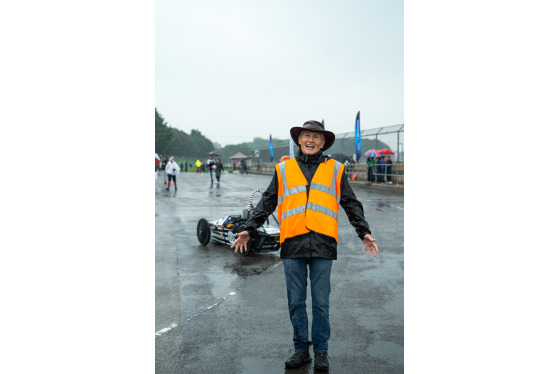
297 214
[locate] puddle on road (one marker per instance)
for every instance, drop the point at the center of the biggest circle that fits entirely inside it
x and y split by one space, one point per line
220 282
381 205
254 264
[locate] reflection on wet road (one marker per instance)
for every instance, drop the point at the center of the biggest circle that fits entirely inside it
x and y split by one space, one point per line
231 311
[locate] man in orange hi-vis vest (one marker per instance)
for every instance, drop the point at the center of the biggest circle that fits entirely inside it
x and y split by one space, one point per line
308 190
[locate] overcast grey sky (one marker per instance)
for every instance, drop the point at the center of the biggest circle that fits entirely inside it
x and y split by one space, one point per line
240 69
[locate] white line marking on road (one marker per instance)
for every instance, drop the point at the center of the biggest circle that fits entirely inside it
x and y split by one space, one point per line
168 328
394 206
213 305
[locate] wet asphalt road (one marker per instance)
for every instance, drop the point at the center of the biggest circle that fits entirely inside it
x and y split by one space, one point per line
218 312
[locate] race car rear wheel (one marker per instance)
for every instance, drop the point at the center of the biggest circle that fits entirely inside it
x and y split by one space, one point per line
203 231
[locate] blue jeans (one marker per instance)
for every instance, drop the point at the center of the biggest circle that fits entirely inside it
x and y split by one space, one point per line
295 271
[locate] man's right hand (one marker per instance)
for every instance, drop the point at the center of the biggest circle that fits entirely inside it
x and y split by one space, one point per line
241 241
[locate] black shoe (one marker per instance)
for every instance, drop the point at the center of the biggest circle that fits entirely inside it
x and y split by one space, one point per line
321 362
175 188
167 189
298 359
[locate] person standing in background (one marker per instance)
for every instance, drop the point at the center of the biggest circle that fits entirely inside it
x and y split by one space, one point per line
370 169
171 170
219 168
163 166
211 165
158 161
388 164
383 169
378 173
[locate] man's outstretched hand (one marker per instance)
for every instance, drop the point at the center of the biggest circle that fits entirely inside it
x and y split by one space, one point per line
241 242
369 243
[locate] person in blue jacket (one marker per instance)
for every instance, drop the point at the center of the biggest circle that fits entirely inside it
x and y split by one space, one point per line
389 166
383 169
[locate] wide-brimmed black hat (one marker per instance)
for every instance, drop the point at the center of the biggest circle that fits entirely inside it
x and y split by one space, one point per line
313 126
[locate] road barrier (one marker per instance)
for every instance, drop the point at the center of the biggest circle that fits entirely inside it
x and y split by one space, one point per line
356 172
380 174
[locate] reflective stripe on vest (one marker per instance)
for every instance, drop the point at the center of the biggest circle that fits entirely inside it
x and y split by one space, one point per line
322 209
291 191
321 214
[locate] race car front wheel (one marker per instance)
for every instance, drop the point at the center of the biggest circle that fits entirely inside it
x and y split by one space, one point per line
203 231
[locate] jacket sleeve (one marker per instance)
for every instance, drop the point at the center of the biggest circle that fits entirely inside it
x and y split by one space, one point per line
265 207
353 208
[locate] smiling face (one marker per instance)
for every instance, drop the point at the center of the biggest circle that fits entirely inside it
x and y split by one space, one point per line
311 142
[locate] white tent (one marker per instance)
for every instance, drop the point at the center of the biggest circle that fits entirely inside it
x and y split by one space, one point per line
239 156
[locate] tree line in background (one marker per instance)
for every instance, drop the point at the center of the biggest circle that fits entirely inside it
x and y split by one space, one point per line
173 142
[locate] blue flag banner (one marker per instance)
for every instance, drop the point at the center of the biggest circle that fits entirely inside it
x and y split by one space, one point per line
358 138
271 149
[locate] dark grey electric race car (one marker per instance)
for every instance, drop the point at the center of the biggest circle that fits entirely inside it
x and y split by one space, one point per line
223 230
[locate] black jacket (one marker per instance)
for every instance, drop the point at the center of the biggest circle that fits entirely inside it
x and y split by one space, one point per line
311 244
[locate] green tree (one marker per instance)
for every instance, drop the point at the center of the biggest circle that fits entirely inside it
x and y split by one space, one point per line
162 134
172 141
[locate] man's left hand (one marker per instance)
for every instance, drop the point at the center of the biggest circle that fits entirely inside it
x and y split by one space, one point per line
241 242
369 243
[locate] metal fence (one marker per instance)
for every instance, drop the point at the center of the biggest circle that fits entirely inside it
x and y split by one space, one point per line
389 174
393 174
391 137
